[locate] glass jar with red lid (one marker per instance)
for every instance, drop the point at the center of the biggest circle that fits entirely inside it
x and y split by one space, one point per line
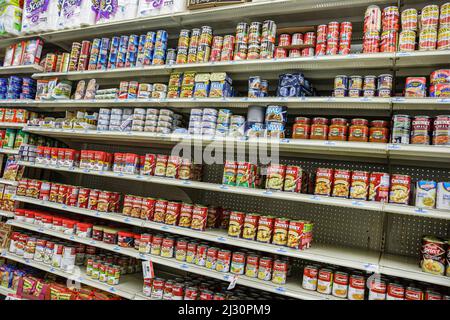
302 128
379 131
359 130
319 129
338 129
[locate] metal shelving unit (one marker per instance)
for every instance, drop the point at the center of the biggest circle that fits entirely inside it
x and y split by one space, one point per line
9 151
8 182
6 214
26 69
12 125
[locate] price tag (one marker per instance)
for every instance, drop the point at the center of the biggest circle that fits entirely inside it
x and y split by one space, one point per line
357 203
72 238
126 220
267 192
403 54
233 281
97 214
394 147
280 289
112 289
86 170
330 143
52 269
224 187
92 242
184 266
41 230
420 210
331 99
315 198
221 239
120 174
282 250
352 56
116 248
285 140
147 269
371 267
164 228
139 177
187 182
64 206
141 255
398 99
444 100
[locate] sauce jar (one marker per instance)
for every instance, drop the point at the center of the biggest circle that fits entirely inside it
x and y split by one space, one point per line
338 129
359 130
379 131
109 235
302 128
319 129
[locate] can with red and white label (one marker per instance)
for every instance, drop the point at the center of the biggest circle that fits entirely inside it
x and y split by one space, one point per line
356 287
325 280
395 291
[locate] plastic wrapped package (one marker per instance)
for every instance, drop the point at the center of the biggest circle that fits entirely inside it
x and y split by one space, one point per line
40 16
75 14
117 10
10 20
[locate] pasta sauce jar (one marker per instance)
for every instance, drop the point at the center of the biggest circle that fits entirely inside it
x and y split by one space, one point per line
319 129
379 131
359 130
338 129
302 128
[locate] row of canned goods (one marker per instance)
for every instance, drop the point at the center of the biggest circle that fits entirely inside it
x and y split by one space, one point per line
65 255
367 86
416 87
355 285
86 198
295 234
197 288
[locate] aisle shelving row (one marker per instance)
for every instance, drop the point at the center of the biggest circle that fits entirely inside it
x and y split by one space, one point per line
7 214
8 182
291 289
360 259
361 149
275 195
9 151
366 104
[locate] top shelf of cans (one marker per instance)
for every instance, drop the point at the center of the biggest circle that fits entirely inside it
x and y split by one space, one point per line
385 30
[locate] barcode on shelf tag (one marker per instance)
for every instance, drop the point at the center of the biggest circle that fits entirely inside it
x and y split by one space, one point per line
126 220
398 99
282 250
27 260
280 289
120 174
420 210
141 255
97 214
357 203
184 266
86 170
92 242
116 248
315 198
285 140
64 206
221 239
112 289
139 177
233 280
72 238
330 143
444 100
403 54
394 146
187 182
224 187
52 269
41 230
365 99
147 269
352 56
371 267
164 227
267 192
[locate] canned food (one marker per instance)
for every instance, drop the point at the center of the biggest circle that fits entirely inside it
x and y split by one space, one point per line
400 189
325 281
265 268
433 255
310 274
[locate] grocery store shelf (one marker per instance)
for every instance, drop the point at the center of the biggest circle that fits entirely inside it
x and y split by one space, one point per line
6 291
128 287
27 69
292 290
337 62
422 58
422 104
11 125
275 195
9 151
8 182
414 211
173 22
419 152
368 104
408 267
7 214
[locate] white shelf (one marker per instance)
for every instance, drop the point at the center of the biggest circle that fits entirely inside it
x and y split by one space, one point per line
6 291
11 125
7 214
276 195
8 182
407 267
27 69
425 104
9 151
422 59
128 287
291 290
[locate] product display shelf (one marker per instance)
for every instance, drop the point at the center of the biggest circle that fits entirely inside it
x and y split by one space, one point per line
9 151
11 125
6 291
179 20
408 267
420 104
7 214
129 286
438 154
337 62
8 182
292 290
185 104
418 59
287 196
26 69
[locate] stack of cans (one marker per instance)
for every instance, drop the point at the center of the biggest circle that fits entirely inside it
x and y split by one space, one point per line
254 41
183 46
203 122
237 126
321 43
132 51
14 87
193 45
121 119
204 44
174 87
95 52
275 121
390 27
74 56
372 28
309 39
216 49
227 48
345 37
160 47
83 59
146 49
332 38
223 122
102 61
269 33
139 116
257 87
122 52
17 88
113 52
28 88
241 44
3 88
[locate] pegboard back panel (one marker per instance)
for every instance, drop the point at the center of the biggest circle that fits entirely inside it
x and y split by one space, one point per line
405 233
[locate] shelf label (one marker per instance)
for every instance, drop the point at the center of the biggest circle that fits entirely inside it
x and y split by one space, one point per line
224 187
126 220
139 177
97 214
444 100
164 227
120 174
315 198
41 229
112 289
398 99
267 192
330 143
86 170
420 210
285 140
184 266
403 54
394 147
116 248
358 203
93 242
52 269
371 267
187 182
233 280
72 238
64 206
221 239
282 250
280 289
